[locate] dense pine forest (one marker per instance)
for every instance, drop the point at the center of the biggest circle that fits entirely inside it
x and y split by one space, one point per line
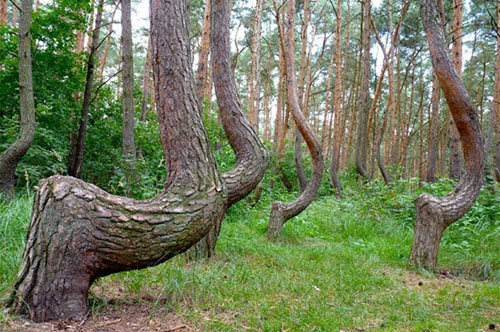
224 165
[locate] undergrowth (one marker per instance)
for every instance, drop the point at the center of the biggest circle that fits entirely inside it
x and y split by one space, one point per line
341 264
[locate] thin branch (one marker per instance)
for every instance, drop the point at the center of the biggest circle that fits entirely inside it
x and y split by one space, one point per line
102 84
15 4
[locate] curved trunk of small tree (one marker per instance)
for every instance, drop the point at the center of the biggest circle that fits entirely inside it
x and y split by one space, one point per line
79 232
280 211
252 158
14 153
434 215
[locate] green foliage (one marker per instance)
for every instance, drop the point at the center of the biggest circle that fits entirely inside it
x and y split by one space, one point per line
341 264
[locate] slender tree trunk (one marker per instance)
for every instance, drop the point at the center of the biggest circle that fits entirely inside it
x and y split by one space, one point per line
15 152
434 215
433 141
108 43
280 211
3 12
455 151
337 96
299 165
202 71
496 103
252 158
145 82
364 105
267 103
328 93
79 233
118 69
15 13
254 84
75 160
129 150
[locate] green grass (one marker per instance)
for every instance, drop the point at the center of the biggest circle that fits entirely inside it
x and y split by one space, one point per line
338 265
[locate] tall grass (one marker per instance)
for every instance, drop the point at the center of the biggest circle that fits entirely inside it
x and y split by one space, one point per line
342 264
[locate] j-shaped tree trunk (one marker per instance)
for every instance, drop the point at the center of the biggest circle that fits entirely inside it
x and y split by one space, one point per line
79 232
251 156
280 211
434 214
14 153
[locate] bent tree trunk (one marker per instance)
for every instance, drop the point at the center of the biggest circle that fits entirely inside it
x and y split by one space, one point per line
252 158
434 214
280 211
14 153
79 232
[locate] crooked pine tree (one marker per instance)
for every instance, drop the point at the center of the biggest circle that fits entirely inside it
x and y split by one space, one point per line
79 232
252 158
434 214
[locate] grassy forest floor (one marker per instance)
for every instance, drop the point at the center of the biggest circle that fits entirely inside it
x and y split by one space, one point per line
339 266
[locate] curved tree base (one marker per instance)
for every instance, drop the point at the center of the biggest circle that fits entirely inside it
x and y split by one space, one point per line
429 229
79 232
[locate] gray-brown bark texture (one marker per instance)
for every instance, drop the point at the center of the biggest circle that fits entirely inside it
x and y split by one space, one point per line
202 71
280 211
364 104
15 152
79 232
129 151
434 214
252 158
128 82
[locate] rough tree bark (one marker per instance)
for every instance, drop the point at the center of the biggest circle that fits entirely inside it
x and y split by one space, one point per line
280 211
15 152
364 104
434 214
79 232
129 150
75 160
251 156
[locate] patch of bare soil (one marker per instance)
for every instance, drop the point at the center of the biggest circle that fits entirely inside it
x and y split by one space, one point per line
134 317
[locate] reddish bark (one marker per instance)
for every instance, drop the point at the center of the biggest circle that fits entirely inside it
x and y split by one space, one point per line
434 214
